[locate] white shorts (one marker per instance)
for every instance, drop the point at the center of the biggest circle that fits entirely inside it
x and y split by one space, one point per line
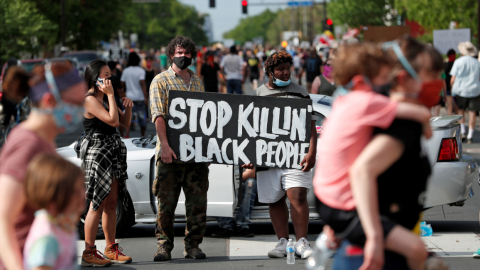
273 183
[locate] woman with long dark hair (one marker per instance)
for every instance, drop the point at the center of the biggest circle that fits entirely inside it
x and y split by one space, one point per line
105 163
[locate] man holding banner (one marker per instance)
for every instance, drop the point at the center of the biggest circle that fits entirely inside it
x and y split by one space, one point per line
276 184
172 174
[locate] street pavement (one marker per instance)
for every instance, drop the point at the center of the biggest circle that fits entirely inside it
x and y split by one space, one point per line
456 234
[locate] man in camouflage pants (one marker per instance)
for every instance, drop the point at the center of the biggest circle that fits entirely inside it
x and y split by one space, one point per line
173 175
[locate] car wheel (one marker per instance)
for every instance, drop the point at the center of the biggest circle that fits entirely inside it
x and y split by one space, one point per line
125 219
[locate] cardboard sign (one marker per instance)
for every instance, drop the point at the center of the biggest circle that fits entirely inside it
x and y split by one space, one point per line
238 129
444 40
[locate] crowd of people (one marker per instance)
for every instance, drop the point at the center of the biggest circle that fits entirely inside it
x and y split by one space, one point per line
383 99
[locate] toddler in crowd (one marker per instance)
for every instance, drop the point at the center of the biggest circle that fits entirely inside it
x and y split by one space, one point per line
56 187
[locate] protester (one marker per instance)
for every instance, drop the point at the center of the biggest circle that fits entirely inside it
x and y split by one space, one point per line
324 83
239 225
56 187
117 90
210 72
276 184
173 175
149 72
7 103
297 65
163 59
231 66
253 69
312 66
34 136
465 83
133 79
105 163
449 103
348 131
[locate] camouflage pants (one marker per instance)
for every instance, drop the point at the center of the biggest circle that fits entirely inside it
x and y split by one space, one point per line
171 178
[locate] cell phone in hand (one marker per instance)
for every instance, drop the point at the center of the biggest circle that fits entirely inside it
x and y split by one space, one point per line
100 80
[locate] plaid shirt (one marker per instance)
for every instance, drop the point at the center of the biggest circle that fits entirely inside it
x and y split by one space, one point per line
159 88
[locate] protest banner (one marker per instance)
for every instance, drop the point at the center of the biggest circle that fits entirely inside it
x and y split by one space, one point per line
238 129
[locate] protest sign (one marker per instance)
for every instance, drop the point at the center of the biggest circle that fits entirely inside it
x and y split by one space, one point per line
444 40
239 129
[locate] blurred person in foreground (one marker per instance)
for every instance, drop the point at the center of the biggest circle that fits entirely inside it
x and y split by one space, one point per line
232 65
346 197
275 185
239 225
135 88
172 174
56 187
465 83
55 110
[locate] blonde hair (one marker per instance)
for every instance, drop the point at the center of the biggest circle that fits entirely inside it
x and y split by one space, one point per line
51 179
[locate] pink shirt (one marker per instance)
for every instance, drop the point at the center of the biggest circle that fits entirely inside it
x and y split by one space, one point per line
346 132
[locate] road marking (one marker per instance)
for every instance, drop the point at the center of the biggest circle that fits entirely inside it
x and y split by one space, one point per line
241 248
452 244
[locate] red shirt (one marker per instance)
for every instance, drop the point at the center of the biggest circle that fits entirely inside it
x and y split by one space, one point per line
21 147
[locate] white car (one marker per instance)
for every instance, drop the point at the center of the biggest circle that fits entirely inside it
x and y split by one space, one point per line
450 184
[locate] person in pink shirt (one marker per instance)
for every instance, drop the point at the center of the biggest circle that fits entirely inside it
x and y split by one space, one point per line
366 70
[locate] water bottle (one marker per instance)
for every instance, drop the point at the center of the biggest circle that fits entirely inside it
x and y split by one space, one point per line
429 230
290 252
426 229
320 255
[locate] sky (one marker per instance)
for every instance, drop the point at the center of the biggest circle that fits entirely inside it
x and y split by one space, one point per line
227 13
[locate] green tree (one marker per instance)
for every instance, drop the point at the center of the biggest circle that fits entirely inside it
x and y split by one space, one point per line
23 28
158 23
438 14
357 13
251 27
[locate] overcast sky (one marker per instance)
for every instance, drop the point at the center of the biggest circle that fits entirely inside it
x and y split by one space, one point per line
227 13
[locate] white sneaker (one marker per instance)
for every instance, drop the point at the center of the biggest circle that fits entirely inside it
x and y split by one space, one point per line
302 248
280 249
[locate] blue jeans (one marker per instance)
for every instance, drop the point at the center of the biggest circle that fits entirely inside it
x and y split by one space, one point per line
342 260
242 219
140 109
234 87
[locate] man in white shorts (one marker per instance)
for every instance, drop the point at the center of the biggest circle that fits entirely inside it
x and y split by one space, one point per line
274 184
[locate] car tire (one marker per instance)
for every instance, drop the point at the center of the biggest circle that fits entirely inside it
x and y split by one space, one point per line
125 219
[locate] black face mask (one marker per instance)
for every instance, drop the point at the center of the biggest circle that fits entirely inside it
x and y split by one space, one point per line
182 62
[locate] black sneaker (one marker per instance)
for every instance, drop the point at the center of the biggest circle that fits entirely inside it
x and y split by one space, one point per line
245 232
223 233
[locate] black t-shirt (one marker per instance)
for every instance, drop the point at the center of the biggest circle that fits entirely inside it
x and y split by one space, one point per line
448 68
253 66
312 67
210 77
402 187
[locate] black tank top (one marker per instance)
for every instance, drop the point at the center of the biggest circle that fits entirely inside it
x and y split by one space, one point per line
325 88
101 127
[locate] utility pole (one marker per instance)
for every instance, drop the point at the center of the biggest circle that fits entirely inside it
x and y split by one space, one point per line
325 9
63 23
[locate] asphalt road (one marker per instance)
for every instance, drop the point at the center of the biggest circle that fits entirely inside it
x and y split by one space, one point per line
456 234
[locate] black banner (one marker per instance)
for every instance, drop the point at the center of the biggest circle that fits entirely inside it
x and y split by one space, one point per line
239 129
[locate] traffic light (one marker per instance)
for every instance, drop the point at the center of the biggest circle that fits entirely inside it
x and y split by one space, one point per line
328 25
212 3
244 6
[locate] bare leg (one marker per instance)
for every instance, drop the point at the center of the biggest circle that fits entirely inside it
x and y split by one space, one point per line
109 217
472 119
299 210
404 242
91 224
279 216
436 111
127 132
462 113
449 105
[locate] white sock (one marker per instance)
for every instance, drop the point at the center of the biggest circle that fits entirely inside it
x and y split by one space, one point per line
462 128
470 133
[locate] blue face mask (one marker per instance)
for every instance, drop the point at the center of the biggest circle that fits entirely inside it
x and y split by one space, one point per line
280 83
67 116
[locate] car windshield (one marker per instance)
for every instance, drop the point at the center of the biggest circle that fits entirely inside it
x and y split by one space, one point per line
83 57
30 65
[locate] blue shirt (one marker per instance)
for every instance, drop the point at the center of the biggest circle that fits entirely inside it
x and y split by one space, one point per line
466 69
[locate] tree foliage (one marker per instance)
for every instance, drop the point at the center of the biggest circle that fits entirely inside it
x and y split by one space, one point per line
251 27
357 13
158 23
438 14
22 28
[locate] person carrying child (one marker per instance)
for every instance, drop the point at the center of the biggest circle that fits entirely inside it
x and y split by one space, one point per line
56 187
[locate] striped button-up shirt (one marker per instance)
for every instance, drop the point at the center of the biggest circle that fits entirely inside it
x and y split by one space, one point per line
159 89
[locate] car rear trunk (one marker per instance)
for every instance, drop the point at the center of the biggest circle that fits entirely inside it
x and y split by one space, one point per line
443 127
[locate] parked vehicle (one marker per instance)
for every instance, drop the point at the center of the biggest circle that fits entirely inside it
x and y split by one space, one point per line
82 57
29 64
450 184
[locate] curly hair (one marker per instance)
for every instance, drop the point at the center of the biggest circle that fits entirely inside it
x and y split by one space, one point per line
184 42
276 59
